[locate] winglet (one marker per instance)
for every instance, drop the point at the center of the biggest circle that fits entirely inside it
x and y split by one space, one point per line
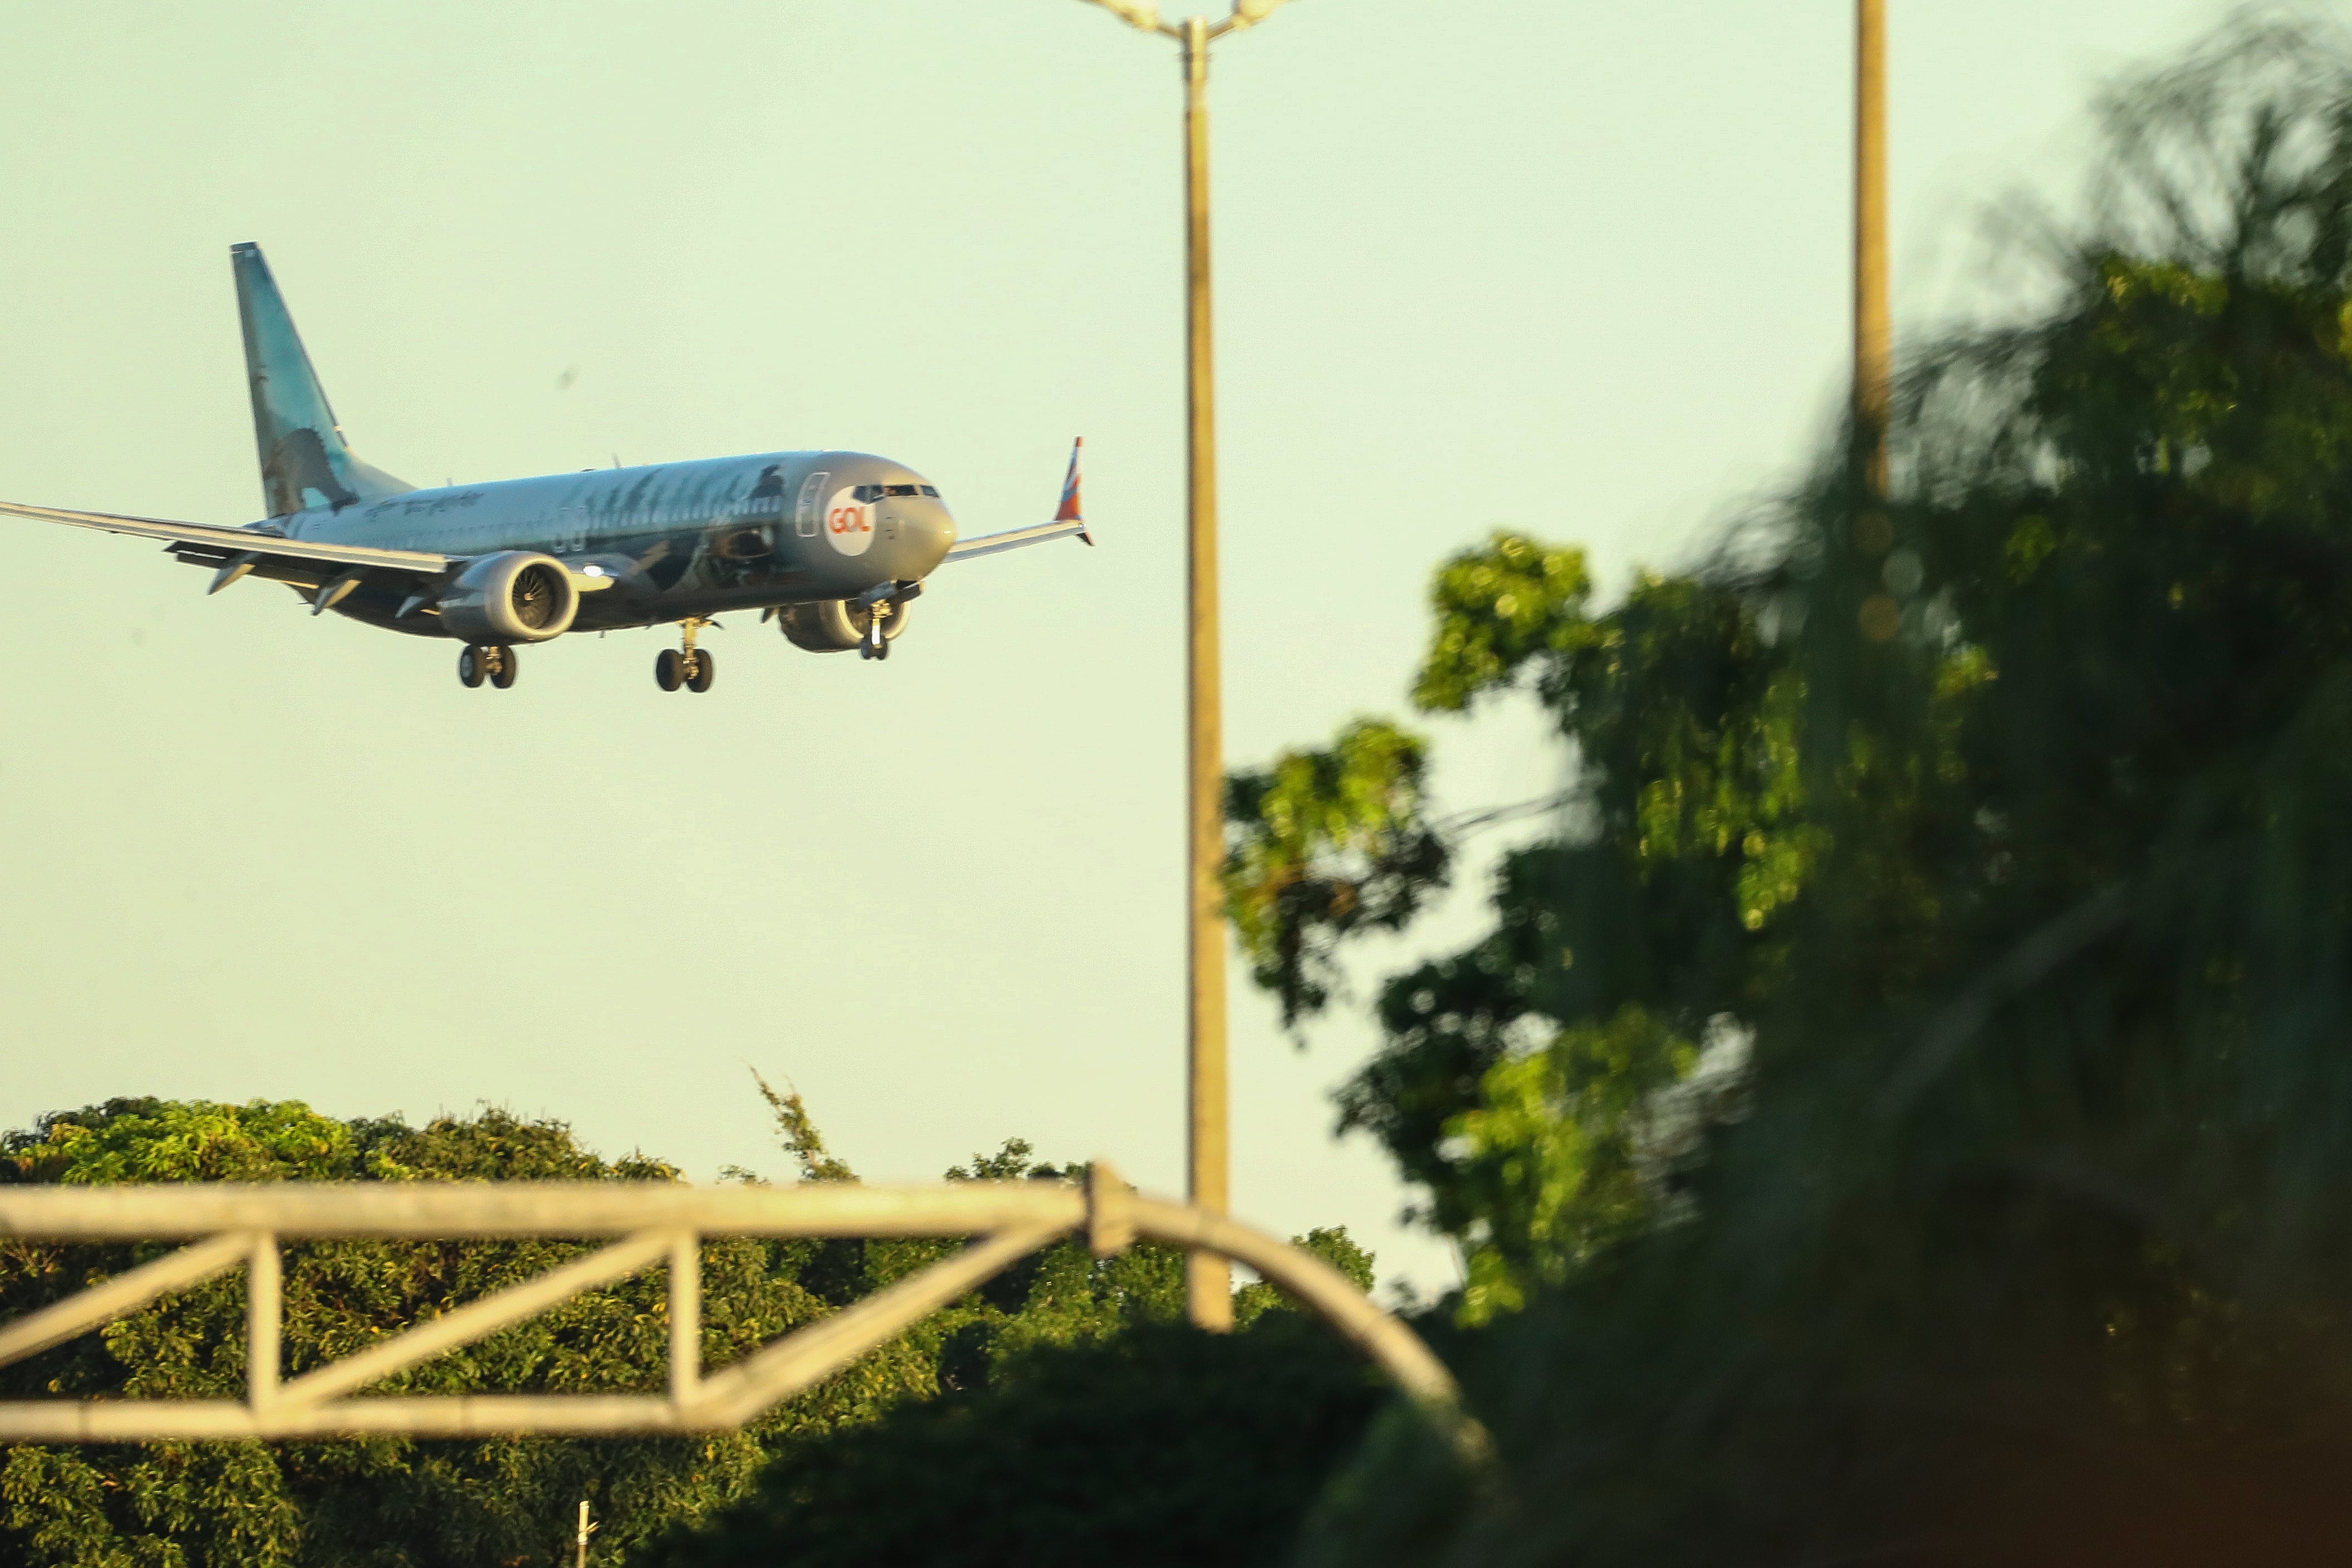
1070 511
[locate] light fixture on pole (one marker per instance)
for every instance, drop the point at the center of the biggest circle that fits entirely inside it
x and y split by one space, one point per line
1145 14
1208 1278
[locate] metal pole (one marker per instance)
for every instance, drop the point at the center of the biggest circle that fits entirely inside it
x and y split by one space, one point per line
1208 1277
685 1317
263 1319
1873 319
586 1529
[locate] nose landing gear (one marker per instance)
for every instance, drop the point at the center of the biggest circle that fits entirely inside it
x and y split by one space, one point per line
690 667
876 644
481 662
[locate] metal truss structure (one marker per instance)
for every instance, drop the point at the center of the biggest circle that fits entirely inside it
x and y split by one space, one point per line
227 1227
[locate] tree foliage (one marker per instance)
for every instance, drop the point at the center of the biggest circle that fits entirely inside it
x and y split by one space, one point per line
1337 847
1158 1446
395 1503
1999 823
376 1500
1619 945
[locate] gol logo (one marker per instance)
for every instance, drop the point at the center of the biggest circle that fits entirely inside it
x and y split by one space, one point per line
848 522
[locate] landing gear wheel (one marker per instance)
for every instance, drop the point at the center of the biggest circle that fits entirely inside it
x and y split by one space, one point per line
503 668
669 669
472 667
706 670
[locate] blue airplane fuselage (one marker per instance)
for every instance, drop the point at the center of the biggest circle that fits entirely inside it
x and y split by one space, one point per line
672 540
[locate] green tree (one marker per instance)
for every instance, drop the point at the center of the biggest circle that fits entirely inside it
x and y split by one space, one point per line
1337 847
1080 1420
1519 1079
2020 1236
1161 1445
377 1502
1095 1427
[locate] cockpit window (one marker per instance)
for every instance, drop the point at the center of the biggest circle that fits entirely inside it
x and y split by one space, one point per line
875 492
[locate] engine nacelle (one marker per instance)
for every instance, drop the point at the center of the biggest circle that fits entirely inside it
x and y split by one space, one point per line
516 595
836 625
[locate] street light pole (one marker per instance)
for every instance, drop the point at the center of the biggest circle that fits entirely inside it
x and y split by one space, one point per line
1874 329
1208 1277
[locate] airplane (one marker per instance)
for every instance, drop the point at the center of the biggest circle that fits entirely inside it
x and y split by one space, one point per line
832 545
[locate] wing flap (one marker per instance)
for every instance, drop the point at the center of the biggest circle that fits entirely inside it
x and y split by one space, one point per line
206 537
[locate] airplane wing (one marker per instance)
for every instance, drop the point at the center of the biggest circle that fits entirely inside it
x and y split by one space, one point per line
1013 539
1069 518
205 545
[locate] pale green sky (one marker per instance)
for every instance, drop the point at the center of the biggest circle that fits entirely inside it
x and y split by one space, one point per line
1577 267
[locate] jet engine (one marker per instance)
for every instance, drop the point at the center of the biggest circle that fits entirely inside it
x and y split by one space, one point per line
516 595
836 625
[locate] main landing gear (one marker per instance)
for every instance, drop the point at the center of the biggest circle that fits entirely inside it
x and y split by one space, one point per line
495 664
690 667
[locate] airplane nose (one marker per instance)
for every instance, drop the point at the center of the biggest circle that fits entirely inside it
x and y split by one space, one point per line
926 531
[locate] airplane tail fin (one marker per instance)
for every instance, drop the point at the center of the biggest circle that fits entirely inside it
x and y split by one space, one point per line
305 461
